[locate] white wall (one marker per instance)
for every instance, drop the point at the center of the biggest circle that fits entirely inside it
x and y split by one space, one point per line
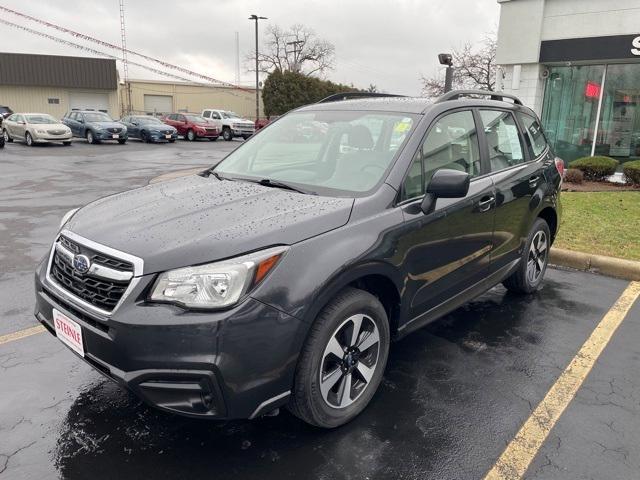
519 31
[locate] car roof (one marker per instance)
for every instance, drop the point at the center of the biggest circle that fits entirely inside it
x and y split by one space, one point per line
383 104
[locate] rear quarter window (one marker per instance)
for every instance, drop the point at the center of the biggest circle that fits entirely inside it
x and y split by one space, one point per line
534 136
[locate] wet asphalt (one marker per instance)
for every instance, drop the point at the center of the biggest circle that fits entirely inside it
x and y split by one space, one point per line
453 396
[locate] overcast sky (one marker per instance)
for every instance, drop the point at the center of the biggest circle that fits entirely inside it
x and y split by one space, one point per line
387 43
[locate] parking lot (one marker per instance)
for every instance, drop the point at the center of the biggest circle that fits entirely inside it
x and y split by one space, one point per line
454 395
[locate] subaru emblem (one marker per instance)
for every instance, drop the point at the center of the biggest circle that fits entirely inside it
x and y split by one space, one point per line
81 263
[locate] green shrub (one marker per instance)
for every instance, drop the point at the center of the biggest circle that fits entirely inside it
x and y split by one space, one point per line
631 172
595 168
573 175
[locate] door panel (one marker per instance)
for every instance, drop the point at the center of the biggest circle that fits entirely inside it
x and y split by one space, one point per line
448 250
516 181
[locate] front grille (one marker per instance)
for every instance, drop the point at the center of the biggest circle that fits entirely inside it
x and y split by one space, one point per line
114 130
99 292
56 132
167 132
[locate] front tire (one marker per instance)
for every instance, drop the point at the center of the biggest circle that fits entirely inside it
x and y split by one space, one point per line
28 139
342 361
533 264
90 137
122 141
66 144
191 135
7 137
227 134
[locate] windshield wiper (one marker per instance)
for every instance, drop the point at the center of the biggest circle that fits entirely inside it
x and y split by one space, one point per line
218 176
267 182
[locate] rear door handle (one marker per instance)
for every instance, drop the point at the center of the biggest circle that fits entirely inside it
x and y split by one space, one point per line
533 181
485 203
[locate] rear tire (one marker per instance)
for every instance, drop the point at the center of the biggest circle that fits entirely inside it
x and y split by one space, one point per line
329 391
533 264
7 137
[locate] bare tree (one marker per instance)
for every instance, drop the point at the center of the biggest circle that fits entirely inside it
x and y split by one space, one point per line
475 68
372 88
297 49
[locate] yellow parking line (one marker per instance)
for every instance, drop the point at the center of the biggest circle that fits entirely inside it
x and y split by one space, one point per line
517 457
27 332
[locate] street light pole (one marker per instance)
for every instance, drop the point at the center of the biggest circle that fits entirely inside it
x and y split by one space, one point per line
447 59
256 18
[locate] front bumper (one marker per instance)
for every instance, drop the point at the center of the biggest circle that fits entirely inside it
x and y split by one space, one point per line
102 136
243 132
45 138
160 137
207 133
237 363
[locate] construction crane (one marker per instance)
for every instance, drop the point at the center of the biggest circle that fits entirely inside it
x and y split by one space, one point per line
126 104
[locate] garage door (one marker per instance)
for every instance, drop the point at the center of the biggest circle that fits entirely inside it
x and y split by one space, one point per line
89 101
158 103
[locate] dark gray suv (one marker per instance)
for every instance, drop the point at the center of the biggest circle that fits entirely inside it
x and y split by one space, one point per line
281 275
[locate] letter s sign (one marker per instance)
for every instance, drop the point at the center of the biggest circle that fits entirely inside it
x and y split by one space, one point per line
636 46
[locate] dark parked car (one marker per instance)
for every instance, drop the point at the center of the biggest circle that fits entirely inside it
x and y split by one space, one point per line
192 126
95 126
280 276
5 111
149 129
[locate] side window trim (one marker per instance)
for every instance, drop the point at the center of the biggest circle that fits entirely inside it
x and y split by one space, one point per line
525 135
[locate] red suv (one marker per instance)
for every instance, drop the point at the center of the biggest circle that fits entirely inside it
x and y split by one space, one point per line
192 126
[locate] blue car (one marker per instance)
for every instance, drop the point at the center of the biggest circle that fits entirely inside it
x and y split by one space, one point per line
95 126
149 129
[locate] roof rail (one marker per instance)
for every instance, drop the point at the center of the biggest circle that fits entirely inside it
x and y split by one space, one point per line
457 94
338 97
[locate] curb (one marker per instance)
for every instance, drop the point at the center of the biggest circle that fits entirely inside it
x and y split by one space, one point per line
177 174
613 267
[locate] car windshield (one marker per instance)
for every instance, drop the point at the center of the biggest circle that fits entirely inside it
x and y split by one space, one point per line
230 115
41 118
146 120
336 151
196 119
97 117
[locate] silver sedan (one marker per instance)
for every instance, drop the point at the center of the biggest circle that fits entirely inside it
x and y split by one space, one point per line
33 128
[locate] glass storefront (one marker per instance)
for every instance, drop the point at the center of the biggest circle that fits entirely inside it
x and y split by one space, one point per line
577 97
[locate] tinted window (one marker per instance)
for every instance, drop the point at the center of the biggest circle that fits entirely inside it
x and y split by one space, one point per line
534 137
207 114
452 143
12 118
503 139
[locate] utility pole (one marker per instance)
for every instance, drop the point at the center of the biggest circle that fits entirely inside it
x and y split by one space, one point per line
297 49
237 58
256 18
125 62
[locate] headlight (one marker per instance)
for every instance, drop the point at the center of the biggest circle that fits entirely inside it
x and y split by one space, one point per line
124 129
215 285
67 216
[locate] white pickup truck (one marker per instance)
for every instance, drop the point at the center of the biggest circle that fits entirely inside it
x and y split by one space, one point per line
231 124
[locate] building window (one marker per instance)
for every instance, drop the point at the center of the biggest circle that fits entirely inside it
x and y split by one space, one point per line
571 107
54 101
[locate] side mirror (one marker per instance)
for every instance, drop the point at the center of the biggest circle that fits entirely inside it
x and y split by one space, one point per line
445 183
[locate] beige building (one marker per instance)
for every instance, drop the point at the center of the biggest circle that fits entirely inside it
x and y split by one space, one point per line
56 84
160 97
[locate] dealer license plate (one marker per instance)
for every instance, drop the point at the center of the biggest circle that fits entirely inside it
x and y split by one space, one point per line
69 332
115 135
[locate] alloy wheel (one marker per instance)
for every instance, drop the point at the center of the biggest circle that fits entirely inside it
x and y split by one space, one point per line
5 134
537 259
29 139
349 361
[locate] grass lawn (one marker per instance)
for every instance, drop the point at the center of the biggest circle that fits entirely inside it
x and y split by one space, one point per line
604 223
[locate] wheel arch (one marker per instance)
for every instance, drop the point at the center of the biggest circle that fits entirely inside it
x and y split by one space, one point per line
549 215
377 278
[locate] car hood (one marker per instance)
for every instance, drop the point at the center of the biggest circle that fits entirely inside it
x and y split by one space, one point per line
106 124
198 219
156 126
49 126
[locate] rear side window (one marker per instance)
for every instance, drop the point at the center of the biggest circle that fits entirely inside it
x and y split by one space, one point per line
206 114
452 143
534 137
503 139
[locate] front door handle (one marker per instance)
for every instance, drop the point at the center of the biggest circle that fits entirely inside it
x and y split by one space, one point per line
533 181
485 203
